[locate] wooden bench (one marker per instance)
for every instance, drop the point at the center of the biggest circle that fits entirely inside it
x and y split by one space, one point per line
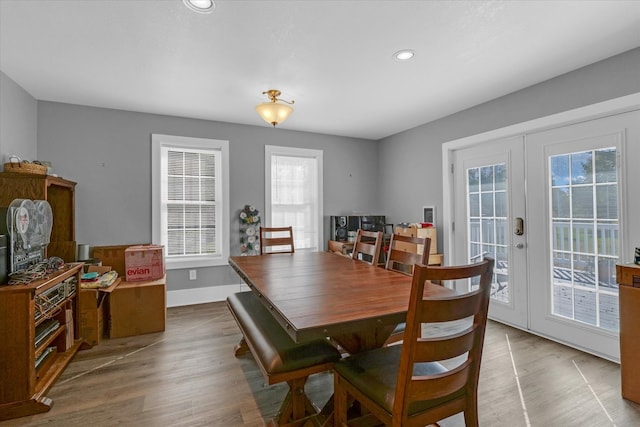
279 357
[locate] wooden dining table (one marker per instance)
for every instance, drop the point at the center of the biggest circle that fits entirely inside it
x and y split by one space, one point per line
321 294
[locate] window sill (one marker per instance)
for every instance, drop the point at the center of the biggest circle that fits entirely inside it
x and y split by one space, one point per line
195 262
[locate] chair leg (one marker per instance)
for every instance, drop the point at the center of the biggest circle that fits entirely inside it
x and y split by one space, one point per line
471 413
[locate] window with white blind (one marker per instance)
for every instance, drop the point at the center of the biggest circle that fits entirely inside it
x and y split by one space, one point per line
293 193
190 188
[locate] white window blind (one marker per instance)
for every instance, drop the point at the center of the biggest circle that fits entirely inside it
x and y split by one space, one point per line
294 193
190 204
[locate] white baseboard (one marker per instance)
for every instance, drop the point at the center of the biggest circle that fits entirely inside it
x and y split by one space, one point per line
202 295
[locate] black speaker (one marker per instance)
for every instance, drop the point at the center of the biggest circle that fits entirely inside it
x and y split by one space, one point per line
339 228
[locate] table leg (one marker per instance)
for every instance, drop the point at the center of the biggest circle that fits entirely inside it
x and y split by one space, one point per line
362 341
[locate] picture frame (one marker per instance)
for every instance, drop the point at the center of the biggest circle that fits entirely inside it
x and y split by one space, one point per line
429 214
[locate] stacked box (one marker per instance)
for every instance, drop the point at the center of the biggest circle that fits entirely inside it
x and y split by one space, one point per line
112 256
137 308
144 262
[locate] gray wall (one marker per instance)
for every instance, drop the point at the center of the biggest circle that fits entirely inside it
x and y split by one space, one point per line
108 153
18 121
411 161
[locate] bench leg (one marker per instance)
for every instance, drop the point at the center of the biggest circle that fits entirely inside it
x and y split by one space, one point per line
241 348
296 408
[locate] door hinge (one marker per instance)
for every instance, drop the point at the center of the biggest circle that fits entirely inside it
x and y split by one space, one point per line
453 226
451 168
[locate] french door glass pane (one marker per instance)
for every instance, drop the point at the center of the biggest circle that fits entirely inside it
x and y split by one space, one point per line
487 224
584 236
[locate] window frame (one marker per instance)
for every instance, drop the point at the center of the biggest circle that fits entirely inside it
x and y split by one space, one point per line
158 206
271 150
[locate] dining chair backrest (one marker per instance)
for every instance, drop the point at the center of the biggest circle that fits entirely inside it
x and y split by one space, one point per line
276 240
434 373
367 243
456 388
403 253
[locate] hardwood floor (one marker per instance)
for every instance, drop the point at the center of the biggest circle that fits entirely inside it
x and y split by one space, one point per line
187 376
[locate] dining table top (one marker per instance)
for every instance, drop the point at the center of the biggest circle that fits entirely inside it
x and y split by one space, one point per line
321 294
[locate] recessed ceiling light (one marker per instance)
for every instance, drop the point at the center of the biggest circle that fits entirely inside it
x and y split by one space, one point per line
403 55
200 6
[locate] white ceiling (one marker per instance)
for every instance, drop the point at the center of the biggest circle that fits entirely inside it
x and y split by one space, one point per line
334 58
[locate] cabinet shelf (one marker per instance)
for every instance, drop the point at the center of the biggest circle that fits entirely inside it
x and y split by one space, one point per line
60 361
60 304
42 347
24 385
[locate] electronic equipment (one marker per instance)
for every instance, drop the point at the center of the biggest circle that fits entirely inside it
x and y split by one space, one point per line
28 225
340 226
44 330
44 355
47 301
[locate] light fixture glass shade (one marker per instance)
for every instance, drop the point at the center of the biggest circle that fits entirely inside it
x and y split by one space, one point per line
200 6
274 112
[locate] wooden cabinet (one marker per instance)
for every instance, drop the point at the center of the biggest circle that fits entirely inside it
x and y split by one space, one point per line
628 277
38 332
342 248
60 194
434 257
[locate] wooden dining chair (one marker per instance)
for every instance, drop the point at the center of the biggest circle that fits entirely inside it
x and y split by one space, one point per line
367 246
416 383
276 240
403 253
401 257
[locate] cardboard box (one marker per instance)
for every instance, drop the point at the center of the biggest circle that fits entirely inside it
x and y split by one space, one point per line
112 256
144 262
137 308
92 306
90 302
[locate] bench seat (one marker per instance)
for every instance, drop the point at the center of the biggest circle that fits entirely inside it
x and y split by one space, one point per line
279 357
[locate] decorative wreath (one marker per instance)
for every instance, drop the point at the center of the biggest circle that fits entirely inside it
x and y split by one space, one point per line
249 227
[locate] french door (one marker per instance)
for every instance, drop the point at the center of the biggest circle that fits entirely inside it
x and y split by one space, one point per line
549 207
490 221
574 293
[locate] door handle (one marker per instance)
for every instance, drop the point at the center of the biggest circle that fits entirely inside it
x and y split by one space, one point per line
519 227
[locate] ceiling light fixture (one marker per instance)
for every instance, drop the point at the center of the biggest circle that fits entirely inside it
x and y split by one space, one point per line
274 112
404 55
200 6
